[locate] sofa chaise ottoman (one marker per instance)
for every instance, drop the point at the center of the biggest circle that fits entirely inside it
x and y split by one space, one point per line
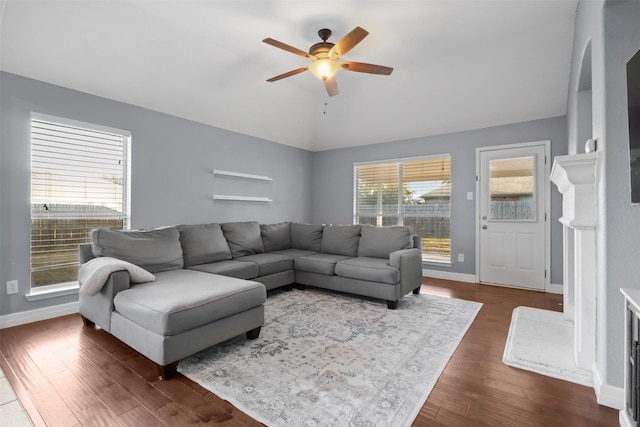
177 314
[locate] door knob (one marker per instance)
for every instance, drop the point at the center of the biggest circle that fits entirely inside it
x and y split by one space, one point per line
484 227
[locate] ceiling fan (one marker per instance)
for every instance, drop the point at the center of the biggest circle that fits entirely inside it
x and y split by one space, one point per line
324 58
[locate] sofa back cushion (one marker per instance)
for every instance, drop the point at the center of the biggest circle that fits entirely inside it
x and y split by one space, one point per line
203 244
154 250
243 238
340 240
275 237
306 236
379 242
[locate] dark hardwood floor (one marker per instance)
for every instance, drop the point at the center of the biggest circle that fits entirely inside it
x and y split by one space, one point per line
66 374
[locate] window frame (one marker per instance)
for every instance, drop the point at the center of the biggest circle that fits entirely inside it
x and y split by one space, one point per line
69 287
400 217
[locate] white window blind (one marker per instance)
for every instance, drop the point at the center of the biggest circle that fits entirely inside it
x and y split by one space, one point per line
79 181
414 192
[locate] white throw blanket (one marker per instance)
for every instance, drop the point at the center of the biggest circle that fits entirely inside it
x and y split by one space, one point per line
94 274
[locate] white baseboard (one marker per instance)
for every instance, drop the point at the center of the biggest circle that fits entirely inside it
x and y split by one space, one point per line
29 316
459 277
607 395
555 289
624 420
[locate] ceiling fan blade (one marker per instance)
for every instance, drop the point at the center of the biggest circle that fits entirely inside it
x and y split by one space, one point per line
288 48
348 42
361 67
332 86
288 74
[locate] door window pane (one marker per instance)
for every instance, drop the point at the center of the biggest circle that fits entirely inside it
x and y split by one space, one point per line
512 189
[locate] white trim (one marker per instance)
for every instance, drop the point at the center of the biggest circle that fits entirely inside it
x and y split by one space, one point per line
607 395
446 275
402 159
625 420
53 291
30 316
554 288
77 123
241 175
547 201
241 198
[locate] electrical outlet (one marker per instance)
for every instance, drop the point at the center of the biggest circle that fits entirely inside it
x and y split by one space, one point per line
460 257
12 287
470 195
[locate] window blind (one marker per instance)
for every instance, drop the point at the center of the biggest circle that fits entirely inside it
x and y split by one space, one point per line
414 192
78 182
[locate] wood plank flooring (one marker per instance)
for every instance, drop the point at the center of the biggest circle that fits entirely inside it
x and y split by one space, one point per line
67 374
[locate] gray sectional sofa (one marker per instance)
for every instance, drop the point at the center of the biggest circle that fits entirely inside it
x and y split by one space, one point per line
211 279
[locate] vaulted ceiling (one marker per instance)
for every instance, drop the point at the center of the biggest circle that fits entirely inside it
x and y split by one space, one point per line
458 65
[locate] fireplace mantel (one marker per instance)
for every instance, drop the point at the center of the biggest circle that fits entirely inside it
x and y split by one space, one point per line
575 177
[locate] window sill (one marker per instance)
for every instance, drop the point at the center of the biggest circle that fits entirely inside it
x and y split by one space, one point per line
53 291
437 263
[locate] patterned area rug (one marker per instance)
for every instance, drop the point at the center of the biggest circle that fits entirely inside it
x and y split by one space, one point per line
541 341
325 359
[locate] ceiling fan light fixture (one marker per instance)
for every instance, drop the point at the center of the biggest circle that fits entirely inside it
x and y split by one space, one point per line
324 68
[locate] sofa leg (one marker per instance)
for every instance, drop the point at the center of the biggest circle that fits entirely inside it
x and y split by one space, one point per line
300 287
392 305
87 322
416 291
167 371
254 333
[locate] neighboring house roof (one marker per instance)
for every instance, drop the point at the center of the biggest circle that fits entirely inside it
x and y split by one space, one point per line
444 191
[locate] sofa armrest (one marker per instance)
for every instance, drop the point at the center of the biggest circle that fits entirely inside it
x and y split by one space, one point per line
409 262
85 254
98 308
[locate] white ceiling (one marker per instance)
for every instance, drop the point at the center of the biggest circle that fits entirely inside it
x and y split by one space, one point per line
458 65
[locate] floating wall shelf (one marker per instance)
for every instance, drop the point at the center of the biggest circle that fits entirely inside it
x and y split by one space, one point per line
241 198
242 175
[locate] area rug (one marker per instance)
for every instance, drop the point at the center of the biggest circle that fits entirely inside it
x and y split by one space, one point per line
541 341
326 359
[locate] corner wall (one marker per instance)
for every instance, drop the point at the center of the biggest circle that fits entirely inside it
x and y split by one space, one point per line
610 28
171 183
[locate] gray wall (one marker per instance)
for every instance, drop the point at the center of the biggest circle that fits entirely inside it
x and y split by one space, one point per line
609 32
172 179
621 41
332 182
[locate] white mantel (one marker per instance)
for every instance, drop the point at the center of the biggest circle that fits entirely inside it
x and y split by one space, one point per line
575 176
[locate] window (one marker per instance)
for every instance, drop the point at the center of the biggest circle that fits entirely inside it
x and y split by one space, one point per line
414 192
79 181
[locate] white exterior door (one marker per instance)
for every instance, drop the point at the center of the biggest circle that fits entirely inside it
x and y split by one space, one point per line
512 203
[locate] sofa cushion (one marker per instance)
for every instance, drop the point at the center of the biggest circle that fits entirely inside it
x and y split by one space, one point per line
320 263
379 242
243 237
268 263
369 269
275 237
340 240
203 243
201 298
306 236
231 268
154 250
